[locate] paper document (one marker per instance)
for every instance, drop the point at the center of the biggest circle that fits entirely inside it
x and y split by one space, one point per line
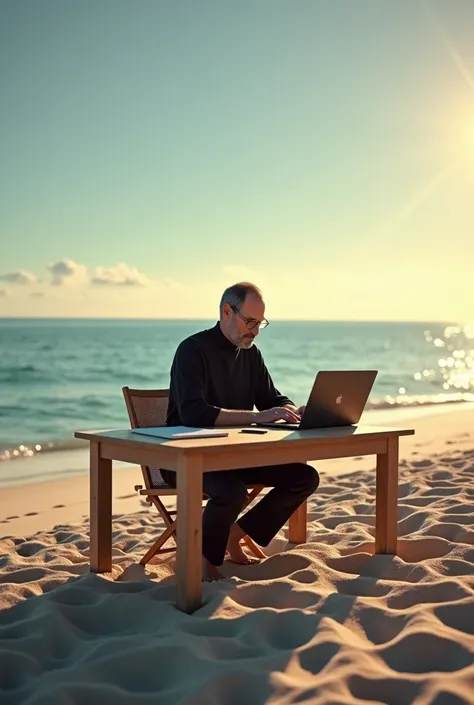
176 432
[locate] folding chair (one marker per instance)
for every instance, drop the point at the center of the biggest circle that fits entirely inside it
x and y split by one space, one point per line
148 407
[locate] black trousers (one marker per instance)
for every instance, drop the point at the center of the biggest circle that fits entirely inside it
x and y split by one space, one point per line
292 484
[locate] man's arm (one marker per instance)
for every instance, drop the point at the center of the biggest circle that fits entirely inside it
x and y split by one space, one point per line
188 384
228 417
234 417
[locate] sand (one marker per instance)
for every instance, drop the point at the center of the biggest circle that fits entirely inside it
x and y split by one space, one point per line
327 622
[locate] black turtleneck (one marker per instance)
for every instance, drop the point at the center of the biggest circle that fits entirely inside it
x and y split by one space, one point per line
209 373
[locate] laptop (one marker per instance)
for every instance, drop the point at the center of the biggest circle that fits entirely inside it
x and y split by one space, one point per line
337 398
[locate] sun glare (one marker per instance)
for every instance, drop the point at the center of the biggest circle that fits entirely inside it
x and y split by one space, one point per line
470 137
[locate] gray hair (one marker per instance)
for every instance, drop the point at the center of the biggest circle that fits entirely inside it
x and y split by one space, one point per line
236 294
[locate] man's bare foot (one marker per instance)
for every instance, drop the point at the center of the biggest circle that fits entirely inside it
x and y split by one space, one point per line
234 549
210 573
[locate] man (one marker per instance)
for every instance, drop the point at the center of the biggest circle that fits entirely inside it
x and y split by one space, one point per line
218 377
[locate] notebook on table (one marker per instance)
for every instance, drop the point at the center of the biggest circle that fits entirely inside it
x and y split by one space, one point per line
178 432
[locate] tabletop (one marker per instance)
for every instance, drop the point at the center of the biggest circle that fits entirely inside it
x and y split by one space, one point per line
237 438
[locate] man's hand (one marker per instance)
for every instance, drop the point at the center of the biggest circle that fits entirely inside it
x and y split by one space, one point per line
300 410
277 413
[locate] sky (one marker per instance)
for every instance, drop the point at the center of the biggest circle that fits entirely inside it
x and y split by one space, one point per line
154 152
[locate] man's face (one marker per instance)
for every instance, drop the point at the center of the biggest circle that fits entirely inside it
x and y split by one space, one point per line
240 329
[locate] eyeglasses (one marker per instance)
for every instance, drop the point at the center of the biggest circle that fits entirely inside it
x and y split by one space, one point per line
251 322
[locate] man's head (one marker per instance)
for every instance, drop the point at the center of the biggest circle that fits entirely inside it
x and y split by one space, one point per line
242 313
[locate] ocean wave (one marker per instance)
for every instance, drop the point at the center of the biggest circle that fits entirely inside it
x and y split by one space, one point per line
21 374
94 402
7 410
75 407
123 376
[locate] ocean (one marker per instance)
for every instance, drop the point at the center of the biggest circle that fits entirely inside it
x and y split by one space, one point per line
58 376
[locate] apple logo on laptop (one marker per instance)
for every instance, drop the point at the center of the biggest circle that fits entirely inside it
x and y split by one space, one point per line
339 399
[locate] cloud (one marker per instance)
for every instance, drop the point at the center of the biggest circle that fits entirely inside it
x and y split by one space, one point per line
66 271
21 276
120 275
4 292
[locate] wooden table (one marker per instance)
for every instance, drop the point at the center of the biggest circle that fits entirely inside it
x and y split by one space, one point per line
191 457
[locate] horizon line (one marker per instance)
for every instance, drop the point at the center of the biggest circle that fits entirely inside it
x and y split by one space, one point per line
199 318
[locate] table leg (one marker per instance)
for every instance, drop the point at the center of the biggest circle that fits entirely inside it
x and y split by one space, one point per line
189 534
297 525
386 499
100 511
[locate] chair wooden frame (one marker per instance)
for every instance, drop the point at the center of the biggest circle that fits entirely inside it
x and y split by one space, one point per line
132 398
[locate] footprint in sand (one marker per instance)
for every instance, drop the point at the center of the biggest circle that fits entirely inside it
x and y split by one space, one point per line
31 514
59 506
14 517
422 463
459 464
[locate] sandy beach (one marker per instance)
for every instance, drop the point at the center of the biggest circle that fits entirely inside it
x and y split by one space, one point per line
323 623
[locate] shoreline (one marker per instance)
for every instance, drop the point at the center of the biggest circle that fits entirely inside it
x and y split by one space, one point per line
30 506
64 463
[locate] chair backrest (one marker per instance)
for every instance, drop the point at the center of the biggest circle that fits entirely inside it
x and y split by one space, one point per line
147 407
